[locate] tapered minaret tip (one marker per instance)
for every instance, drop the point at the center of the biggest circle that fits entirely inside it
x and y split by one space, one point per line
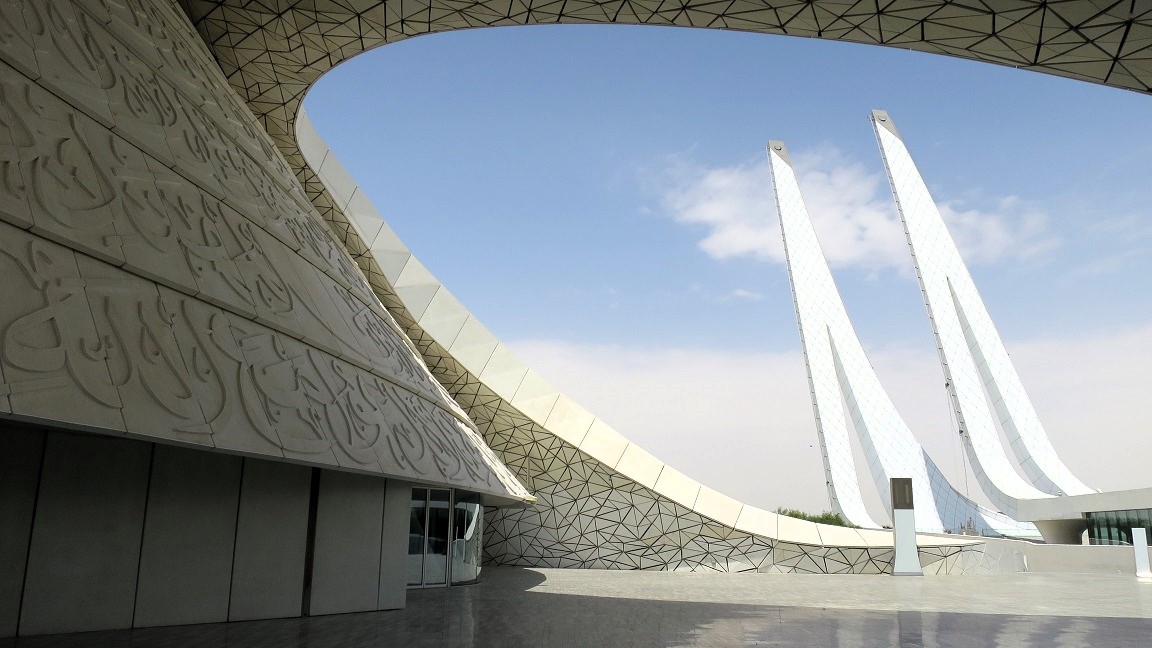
777 147
882 120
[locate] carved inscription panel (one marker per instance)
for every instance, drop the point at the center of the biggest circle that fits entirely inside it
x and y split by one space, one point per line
165 276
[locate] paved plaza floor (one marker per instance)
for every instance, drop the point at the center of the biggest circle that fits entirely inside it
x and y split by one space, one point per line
548 608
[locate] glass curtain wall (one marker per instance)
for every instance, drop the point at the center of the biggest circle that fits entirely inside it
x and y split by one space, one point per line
445 537
1115 527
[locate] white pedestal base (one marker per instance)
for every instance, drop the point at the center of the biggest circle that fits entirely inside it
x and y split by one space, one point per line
907 561
1140 547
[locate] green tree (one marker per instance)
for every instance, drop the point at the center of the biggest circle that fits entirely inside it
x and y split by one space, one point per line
827 517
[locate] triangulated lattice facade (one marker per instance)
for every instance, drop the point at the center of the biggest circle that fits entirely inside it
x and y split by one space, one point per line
271 52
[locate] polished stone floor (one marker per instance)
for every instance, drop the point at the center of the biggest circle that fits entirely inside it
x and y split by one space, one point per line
601 609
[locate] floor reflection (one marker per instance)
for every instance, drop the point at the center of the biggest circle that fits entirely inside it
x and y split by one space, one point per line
515 608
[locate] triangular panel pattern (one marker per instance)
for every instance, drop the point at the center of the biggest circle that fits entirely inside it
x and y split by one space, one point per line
588 513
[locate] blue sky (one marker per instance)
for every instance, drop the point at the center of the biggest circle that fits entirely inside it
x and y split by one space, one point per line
598 195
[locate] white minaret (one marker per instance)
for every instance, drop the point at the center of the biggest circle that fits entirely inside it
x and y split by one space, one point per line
845 388
976 365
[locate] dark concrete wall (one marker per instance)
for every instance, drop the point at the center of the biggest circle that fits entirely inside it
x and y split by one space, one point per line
20 456
271 533
394 546
120 533
85 546
346 563
189 533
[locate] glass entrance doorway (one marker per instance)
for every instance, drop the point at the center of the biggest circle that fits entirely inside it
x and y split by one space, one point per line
445 532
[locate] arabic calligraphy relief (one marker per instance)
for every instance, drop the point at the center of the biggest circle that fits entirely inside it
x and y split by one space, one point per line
273 393
151 238
63 165
143 107
122 212
346 407
52 359
311 405
203 138
208 244
16 45
159 33
70 61
154 36
145 222
265 267
315 244
361 335
371 341
216 369
144 363
450 454
137 25
195 146
15 136
405 451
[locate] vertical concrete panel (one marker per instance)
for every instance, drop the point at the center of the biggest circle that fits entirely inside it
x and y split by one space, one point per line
271 537
394 546
20 455
86 535
189 529
346 563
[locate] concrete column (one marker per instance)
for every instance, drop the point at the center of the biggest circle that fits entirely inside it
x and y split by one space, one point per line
346 560
271 533
394 546
907 559
189 535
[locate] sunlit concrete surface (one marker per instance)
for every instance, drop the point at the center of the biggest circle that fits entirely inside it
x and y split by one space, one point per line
591 608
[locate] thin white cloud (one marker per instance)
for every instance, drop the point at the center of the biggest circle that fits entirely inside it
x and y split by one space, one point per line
1013 231
851 209
733 295
741 294
742 422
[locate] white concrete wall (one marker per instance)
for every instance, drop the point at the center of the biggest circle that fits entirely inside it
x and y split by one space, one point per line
1073 559
1081 559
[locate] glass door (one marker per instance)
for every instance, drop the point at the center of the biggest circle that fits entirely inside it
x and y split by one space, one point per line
429 537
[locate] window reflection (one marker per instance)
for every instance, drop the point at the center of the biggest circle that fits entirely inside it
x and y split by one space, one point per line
416 536
467 536
436 556
1115 527
445 537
